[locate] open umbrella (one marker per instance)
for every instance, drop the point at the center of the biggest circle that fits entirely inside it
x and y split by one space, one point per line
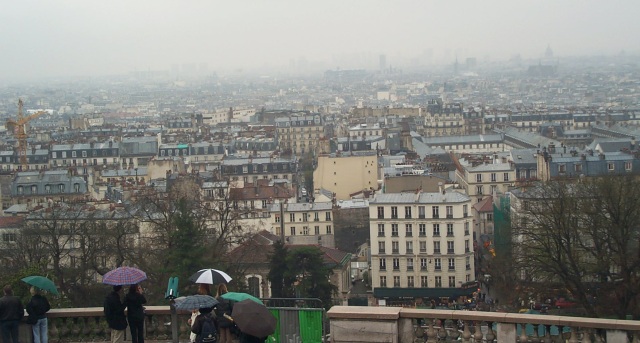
194 302
238 297
253 319
210 276
42 283
124 276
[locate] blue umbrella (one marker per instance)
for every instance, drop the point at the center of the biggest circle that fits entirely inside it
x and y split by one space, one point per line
194 302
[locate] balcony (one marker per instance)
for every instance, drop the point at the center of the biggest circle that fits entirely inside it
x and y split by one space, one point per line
396 324
449 216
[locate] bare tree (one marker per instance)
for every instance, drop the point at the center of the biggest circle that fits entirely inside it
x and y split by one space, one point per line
584 236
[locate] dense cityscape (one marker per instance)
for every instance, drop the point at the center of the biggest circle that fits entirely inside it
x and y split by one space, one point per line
378 193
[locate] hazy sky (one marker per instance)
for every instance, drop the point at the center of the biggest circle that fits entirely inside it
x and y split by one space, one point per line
80 37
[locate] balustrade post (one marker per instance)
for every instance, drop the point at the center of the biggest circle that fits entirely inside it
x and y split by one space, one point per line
506 332
466 333
617 336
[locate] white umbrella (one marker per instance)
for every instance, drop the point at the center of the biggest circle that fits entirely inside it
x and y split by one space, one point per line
210 276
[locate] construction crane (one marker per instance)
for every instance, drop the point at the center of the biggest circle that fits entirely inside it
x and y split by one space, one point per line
18 126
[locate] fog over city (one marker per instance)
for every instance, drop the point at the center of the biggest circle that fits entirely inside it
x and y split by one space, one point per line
91 38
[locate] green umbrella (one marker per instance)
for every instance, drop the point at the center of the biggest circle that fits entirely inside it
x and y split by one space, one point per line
237 296
42 283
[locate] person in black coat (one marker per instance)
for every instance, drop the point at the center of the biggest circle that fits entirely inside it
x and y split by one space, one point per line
114 313
206 312
11 313
135 312
37 309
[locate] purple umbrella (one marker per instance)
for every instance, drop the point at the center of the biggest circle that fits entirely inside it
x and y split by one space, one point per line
124 276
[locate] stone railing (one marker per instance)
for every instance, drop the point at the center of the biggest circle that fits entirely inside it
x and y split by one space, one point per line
400 325
89 325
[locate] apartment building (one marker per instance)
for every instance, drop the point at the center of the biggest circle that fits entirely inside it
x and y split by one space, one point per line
420 243
301 133
304 223
249 170
347 173
40 186
482 180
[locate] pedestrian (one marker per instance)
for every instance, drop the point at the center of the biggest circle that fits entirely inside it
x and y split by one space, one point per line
11 313
114 312
223 308
203 289
205 326
37 309
135 312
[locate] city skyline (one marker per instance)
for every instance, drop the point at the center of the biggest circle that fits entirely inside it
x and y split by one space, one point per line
75 38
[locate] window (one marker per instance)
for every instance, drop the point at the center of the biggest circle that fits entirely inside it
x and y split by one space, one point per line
407 212
317 230
409 230
9 237
466 246
467 263
409 247
383 281
436 230
396 281
410 281
438 281
328 229
423 264
452 264
449 229
438 263
452 281
466 228
84 154
328 216
380 212
292 217
410 264
423 282
450 247
627 166
506 177
305 230
435 210
562 168
305 217
293 231
381 247
479 190
422 228
449 211
611 166
396 263
383 264
380 230
423 246
394 230
493 177
394 212
478 177
395 247
421 212
436 247
465 212
73 154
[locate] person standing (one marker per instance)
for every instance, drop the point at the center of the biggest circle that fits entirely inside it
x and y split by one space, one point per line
114 312
224 307
203 289
37 309
135 312
11 313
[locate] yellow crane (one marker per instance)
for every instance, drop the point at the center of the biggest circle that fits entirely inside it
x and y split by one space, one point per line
18 125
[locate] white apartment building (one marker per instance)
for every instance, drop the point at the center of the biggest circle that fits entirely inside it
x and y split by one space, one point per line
486 179
304 223
420 240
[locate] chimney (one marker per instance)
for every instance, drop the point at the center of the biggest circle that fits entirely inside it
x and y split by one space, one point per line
441 187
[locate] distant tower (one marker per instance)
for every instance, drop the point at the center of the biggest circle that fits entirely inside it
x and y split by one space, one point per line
548 53
455 67
383 62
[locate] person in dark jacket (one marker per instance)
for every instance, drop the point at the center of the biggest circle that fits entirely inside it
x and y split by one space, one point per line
114 312
197 323
37 309
11 313
135 313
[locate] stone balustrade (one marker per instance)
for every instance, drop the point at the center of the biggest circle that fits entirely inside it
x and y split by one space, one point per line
407 325
89 325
